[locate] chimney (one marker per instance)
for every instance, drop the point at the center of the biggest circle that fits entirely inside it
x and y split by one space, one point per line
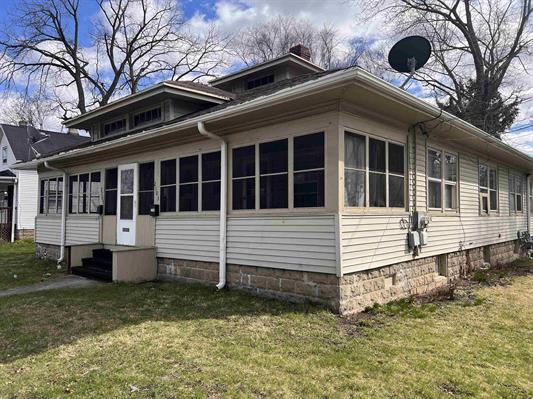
73 131
301 51
23 123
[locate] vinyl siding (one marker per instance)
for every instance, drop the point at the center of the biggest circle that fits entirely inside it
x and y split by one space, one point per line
28 187
373 241
82 230
48 230
285 242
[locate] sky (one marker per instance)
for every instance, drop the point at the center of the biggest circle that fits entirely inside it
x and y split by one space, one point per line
231 15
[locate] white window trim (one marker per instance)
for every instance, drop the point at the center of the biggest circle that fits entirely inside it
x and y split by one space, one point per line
489 167
45 196
88 192
513 176
443 182
386 173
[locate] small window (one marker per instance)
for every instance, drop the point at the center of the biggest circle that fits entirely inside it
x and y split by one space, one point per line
515 193
168 186
145 117
4 155
309 170
243 168
115 127
273 172
146 187
94 200
111 182
354 170
488 189
188 184
442 173
211 181
264 80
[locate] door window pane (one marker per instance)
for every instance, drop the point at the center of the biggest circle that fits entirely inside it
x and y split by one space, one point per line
309 189
396 192
354 151
434 194
309 152
354 187
126 207
274 191
434 164
376 155
126 181
376 189
274 157
396 159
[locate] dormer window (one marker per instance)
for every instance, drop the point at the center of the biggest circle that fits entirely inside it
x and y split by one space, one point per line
4 155
114 127
264 80
145 117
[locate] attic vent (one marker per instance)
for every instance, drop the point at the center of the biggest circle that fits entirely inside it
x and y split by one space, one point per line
301 51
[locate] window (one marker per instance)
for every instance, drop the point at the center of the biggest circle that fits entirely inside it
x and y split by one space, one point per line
374 172
515 193
530 190
442 180
4 155
189 184
146 187
211 181
111 182
114 127
488 189
264 80
84 193
273 172
51 196
168 186
243 168
309 170
142 118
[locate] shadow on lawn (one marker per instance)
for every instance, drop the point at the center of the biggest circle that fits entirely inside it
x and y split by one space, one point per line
33 323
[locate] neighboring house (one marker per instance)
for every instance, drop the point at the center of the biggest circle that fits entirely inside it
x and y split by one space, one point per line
19 188
287 181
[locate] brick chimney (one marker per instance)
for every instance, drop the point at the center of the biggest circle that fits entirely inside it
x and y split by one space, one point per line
73 132
301 51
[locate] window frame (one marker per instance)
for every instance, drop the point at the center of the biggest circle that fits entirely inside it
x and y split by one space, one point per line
88 193
490 167
110 121
44 210
160 186
443 181
153 190
144 110
366 170
106 190
513 193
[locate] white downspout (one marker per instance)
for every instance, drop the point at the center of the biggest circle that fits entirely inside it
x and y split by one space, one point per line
223 201
63 210
15 208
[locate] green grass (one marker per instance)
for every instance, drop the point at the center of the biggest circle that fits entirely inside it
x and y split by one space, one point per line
19 267
168 340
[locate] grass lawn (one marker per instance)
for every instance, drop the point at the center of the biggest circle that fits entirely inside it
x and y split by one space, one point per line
18 265
170 341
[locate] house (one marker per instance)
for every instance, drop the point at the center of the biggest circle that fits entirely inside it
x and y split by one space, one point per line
18 188
285 180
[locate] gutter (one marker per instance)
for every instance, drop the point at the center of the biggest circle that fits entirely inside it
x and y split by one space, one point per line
223 202
63 210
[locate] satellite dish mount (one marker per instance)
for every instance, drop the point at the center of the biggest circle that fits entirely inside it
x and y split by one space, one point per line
409 55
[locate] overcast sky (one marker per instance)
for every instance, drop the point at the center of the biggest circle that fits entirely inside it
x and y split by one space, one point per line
230 15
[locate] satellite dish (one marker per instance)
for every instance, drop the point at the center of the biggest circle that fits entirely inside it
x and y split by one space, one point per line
409 55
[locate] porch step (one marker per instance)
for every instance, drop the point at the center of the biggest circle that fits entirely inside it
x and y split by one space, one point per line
97 262
103 254
93 272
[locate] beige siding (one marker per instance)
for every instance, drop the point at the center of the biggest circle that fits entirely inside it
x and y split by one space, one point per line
288 242
48 230
83 230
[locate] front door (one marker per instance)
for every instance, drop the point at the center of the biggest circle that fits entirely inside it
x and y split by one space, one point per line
127 204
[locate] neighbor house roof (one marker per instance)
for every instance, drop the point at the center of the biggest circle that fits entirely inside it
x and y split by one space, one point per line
23 138
295 88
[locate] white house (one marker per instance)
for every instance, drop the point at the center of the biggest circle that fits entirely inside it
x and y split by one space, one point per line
287 181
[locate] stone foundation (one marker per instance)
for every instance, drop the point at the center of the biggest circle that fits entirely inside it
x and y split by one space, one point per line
47 251
352 292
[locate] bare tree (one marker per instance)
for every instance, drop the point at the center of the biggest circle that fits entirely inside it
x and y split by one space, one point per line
133 42
475 46
33 110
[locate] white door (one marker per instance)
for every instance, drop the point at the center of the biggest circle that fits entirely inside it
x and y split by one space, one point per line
127 204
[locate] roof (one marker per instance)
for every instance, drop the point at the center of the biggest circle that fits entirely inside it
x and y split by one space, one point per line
7 173
22 138
290 57
201 87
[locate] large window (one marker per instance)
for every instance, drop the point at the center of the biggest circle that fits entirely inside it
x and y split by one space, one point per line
488 189
273 174
146 117
84 193
146 187
441 180
211 181
111 181
51 196
168 186
309 170
243 168
515 193
374 172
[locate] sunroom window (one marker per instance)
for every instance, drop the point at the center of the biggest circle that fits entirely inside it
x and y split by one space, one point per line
243 168
374 172
168 186
189 184
273 169
441 180
111 183
309 170
84 193
146 187
51 196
